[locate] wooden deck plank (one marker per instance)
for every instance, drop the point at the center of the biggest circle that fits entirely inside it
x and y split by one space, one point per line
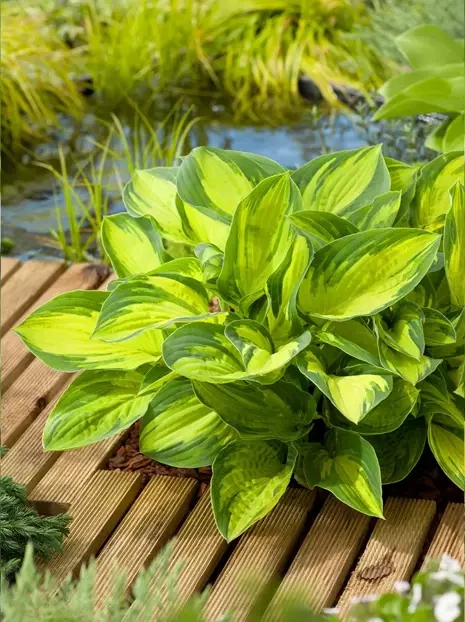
392 550
197 548
26 461
9 265
147 526
26 286
449 535
324 559
27 397
261 553
95 515
15 356
73 469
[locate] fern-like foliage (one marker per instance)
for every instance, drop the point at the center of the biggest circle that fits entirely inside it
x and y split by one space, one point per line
20 523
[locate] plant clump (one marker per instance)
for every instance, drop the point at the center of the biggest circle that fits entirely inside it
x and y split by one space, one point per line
335 351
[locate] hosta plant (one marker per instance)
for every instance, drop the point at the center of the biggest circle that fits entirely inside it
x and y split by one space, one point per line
436 83
316 332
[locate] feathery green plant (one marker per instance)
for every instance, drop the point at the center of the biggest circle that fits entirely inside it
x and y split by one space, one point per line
435 594
21 524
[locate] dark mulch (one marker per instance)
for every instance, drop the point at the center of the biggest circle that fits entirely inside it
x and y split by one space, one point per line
129 458
426 481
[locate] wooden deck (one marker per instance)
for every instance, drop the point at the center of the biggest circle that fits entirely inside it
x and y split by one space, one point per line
326 553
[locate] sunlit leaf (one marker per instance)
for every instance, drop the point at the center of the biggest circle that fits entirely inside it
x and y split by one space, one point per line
94 407
454 245
347 466
179 430
249 478
259 240
364 273
353 396
59 333
279 411
344 181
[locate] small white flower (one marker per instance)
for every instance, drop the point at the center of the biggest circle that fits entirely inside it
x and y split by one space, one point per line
368 598
332 611
449 563
416 598
402 587
447 607
375 620
447 575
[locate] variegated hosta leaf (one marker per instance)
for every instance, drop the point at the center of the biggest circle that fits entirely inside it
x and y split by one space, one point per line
321 228
211 261
401 328
364 273
184 266
215 180
202 351
405 366
454 245
437 399
449 351
132 244
259 239
403 178
179 430
399 451
432 200
152 192
381 212
249 478
352 337
94 407
353 396
59 334
344 181
202 227
347 466
256 347
279 411
281 289
438 330
446 440
389 415
154 300
438 263
252 340
155 378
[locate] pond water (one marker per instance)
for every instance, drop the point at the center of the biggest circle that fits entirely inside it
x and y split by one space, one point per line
30 199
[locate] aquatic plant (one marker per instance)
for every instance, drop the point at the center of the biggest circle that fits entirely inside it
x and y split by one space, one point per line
84 197
254 52
35 78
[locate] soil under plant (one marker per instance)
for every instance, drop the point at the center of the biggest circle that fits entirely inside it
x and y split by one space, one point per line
426 481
